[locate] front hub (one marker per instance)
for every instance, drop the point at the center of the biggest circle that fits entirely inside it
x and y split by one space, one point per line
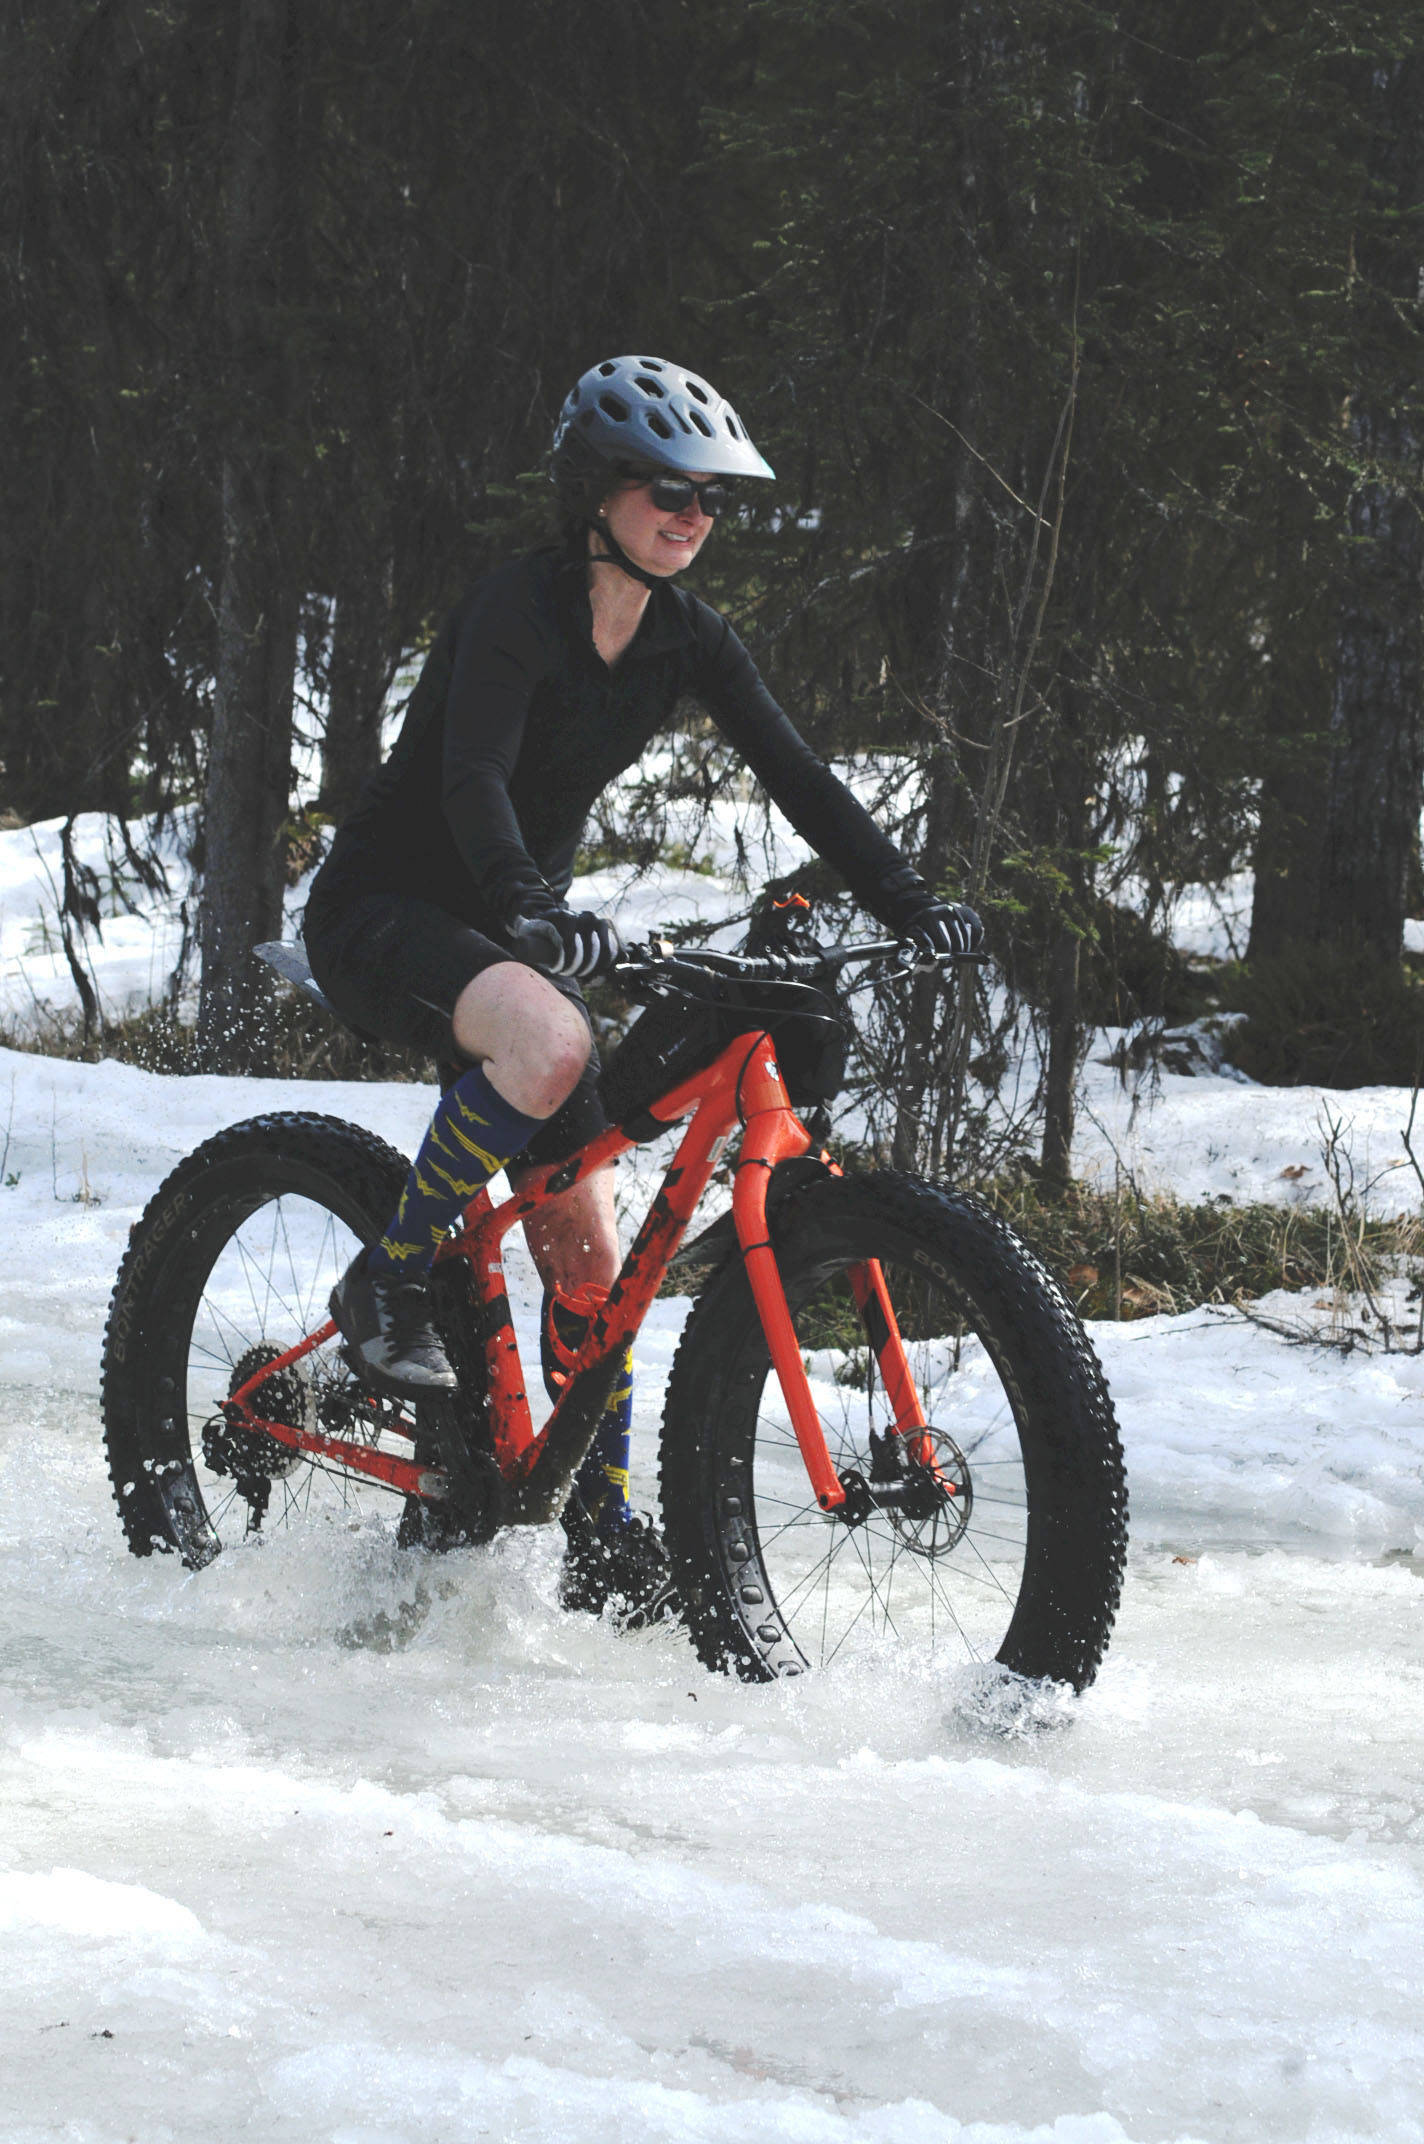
921 1482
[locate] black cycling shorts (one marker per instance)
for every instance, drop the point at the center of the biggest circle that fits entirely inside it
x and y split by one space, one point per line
393 968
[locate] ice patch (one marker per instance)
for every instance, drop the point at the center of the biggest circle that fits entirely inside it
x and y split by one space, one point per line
76 1904
528 2100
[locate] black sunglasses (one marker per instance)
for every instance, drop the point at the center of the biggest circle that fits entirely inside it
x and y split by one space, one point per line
674 494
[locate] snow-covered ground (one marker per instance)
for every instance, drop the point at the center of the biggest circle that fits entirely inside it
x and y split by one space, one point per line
333 1842
1205 1138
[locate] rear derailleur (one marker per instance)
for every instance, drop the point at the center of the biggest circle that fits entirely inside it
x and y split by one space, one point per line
235 1448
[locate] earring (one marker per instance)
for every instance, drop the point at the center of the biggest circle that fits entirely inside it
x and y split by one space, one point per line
603 513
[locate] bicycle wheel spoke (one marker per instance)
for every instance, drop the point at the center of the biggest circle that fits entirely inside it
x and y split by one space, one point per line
862 1549
996 1580
807 1514
258 1273
982 1533
808 1578
939 1595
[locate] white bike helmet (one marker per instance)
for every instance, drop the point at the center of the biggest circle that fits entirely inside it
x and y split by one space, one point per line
648 413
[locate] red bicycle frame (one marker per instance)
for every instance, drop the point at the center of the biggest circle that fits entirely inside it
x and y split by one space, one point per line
742 1084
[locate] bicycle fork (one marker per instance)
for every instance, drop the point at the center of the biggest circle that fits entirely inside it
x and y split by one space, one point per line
775 1134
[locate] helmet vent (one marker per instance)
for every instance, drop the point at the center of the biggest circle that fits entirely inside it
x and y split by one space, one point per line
701 422
613 407
694 389
682 420
657 422
607 368
651 387
651 364
733 427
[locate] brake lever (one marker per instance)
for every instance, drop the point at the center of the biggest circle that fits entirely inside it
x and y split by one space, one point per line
910 960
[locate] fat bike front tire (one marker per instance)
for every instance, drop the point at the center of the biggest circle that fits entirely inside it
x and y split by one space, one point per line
1016 1557
230 1265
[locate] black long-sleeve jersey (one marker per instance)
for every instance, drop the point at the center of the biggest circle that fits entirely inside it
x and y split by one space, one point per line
517 725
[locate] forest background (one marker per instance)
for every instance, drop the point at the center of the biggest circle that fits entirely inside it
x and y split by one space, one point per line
1085 341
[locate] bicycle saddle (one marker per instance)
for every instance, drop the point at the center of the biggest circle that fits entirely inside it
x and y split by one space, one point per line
289 960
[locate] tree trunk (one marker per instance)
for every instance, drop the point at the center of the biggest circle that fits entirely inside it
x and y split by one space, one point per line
358 679
249 762
1061 1071
927 1094
922 1066
1063 814
1290 801
1290 813
1376 779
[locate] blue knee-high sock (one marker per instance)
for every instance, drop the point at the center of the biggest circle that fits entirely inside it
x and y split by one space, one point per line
472 1134
602 1480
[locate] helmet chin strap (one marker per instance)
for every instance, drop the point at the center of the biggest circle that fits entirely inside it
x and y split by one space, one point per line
618 557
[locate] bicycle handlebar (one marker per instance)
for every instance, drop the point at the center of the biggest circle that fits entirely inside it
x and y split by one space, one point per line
659 954
533 942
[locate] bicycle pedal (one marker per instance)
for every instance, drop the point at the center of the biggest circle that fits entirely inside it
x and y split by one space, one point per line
347 1354
370 1381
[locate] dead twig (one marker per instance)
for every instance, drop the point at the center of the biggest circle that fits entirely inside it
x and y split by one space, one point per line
1034 593
1419 1179
9 1128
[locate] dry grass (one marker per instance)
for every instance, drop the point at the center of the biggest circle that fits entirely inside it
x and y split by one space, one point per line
1124 1255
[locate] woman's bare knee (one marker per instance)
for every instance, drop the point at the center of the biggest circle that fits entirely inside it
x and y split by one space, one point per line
531 1042
574 1238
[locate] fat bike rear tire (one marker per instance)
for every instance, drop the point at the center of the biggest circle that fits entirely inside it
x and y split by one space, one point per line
232 1262
1014 1552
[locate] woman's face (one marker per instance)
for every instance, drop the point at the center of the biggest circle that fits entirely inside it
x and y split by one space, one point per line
658 542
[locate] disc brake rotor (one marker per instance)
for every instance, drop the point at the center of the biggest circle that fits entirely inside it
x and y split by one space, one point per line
934 1522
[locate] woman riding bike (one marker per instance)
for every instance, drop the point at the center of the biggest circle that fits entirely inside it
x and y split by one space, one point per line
546 684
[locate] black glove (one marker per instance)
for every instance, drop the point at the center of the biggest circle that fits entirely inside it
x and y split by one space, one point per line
944 927
562 942
930 927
